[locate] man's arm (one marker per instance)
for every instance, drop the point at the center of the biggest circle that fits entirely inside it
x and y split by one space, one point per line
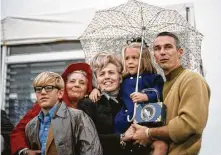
160 133
192 115
17 137
145 135
191 119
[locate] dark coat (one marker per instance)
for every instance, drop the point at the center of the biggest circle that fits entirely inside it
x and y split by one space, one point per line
103 114
6 128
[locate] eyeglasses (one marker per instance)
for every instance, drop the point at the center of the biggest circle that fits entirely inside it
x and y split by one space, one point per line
47 88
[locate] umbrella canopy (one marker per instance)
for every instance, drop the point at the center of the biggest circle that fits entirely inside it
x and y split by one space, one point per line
111 28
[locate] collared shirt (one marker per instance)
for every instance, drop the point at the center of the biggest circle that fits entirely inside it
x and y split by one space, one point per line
45 122
171 79
108 96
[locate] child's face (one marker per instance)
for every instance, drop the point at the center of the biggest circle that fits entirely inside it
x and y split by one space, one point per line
131 57
48 98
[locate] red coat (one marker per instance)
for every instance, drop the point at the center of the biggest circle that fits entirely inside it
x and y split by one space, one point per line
17 137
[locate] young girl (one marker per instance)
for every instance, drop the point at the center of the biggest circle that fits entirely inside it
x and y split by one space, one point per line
147 79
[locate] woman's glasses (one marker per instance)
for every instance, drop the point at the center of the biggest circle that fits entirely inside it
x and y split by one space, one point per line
47 88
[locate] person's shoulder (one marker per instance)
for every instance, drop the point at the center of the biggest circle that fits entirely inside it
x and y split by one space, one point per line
85 103
151 74
74 111
6 124
188 74
190 77
193 79
85 100
4 116
3 112
158 76
32 122
77 114
153 77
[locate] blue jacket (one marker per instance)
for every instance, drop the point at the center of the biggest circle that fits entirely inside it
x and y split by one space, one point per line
128 85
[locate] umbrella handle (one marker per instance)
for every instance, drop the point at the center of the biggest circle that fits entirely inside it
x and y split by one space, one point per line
138 73
134 114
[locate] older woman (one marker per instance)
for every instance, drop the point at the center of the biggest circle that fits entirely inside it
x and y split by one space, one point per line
78 84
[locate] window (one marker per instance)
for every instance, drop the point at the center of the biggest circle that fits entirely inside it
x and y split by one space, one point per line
20 95
25 62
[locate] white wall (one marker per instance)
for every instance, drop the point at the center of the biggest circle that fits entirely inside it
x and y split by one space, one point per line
208 22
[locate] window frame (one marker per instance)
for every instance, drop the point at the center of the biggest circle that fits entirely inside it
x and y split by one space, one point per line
8 59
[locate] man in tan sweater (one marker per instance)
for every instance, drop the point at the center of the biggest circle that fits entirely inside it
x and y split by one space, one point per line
186 95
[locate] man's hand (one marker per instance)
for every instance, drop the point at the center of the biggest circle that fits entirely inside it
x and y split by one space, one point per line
140 136
33 152
138 97
128 134
159 147
95 95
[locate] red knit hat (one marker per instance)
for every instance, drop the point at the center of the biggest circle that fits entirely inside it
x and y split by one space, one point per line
74 67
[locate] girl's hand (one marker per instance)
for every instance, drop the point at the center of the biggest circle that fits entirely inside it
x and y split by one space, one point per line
95 95
138 97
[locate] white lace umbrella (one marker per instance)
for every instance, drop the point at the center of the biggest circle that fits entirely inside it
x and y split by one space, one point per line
110 29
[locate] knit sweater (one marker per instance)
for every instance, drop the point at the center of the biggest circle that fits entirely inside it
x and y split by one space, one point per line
186 95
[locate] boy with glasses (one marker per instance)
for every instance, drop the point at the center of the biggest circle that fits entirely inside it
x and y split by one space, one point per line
58 129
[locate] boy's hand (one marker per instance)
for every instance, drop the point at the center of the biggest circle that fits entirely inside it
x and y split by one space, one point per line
95 95
33 152
138 97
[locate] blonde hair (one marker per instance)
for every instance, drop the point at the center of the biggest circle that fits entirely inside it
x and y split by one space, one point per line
101 60
146 60
45 78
